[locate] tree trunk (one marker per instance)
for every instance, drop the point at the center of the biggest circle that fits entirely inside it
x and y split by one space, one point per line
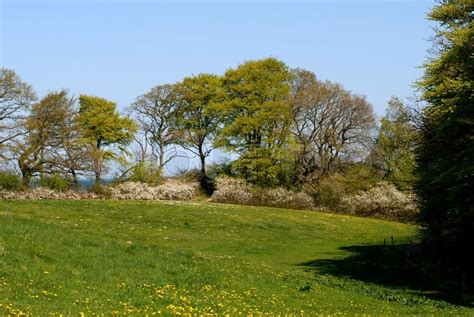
97 178
26 176
202 176
203 165
75 181
26 171
162 160
99 162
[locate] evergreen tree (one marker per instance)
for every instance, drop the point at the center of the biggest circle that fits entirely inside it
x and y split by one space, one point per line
445 160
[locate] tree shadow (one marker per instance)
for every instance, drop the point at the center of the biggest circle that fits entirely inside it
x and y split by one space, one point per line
413 267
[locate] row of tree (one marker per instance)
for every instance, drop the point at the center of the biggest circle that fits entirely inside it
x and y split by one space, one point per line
284 126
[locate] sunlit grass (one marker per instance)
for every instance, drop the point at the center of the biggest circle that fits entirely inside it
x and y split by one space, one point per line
144 258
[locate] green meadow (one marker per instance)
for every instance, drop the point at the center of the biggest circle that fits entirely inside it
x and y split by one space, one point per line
170 258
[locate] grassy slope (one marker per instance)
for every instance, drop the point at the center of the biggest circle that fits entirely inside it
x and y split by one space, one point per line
136 257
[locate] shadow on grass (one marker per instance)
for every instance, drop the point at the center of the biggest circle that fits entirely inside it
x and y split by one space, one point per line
411 267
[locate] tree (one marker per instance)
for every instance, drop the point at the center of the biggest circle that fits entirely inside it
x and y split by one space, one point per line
331 125
104 131
395 145
49 140
16 97
197 118
257 119
445 155
155 112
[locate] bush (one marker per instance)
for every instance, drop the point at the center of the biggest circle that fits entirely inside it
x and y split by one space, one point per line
283 198
237 191
42 193
10 181
383 200
101 191
328 191
214 171
54 181
185 176
233 191
169 190
145 173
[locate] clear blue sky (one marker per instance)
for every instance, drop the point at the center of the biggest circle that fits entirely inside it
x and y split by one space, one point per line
120 49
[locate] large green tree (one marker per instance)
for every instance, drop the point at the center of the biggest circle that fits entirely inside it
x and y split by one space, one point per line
395 145
445 161
196 117
257 117
104 131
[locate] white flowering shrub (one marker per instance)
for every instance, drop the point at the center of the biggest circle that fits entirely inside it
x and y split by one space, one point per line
170 190
42 193
232 191
383 200
237 191
280 197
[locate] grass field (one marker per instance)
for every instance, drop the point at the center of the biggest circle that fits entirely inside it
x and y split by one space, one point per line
106 257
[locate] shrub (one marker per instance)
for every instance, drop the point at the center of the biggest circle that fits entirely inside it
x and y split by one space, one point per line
214 171
42 193
101 191
10 181
169 190
328 191
145 173
191 175
383 200
233 191
283 198
54 181
237 191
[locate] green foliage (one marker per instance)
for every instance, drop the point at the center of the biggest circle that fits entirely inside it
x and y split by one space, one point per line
55 182
101 191
329 190
197 116
264 167
104 130
10 180
145 172
446 152
223 168
101 123
395 144
257 118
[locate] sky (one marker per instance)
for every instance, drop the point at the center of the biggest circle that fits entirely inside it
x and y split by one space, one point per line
119 49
